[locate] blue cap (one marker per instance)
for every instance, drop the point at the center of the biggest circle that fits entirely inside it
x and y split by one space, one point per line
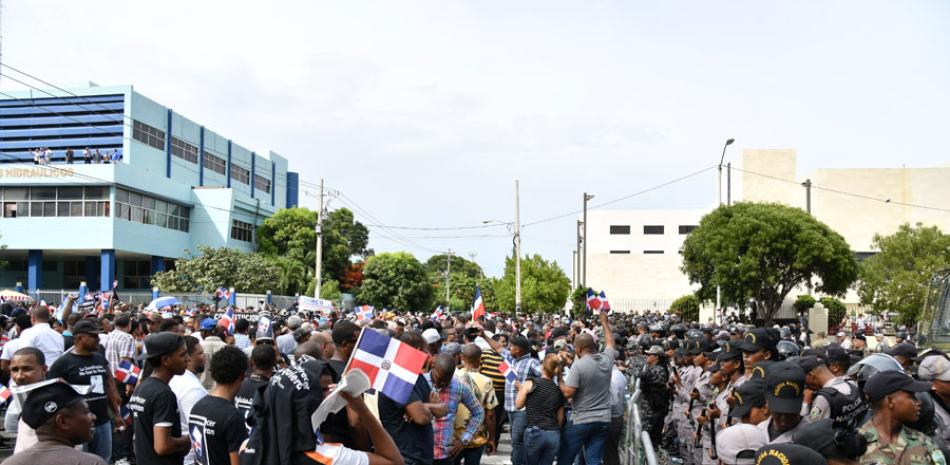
208 324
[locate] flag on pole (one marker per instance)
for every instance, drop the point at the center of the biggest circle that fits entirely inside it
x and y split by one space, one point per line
593 301
604 303
127 372
364 312
507 372
222 293
478 306
227 320
392 366
436 314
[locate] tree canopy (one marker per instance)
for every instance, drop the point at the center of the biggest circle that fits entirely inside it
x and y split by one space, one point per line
544 286
290 235
212 268
896 278
396 281
762 251
687 307
436 265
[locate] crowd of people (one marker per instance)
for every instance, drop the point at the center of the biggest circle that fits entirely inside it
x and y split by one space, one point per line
44 156
190 386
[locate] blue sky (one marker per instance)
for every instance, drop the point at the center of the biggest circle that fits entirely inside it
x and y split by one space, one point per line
423 113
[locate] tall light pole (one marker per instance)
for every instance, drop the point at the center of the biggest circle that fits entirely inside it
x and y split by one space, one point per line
587 198
721 159
517 248
448 273
318 266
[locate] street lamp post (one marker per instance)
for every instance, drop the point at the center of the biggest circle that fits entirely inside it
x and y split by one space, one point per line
587 198
721 159
515 229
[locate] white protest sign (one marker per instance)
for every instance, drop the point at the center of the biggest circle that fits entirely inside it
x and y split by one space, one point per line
314 305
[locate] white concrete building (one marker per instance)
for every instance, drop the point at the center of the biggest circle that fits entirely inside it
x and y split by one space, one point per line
634 254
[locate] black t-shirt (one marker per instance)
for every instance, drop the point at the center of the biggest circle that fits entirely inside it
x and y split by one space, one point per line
415 441
244 398
154 404
216 428
87 370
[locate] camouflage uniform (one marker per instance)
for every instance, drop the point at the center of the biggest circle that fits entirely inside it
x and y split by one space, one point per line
910 448
654 401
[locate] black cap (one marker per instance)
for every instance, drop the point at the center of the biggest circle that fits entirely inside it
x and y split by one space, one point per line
786 387
821 437
816 352
788 454
760 368
904 350
86 327
837 354
883 383
729 352
808 363
46 401
749 394
159 344
758 339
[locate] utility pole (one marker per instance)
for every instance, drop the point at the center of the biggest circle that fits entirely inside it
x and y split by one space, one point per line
319 262
729 183
587 198
517 248
807 186
448 272
721 159
578 252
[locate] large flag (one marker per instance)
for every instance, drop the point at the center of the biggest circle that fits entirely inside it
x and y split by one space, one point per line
392 366
604 303
127 372
436 314
593 301
222 293
478 306
364 312
507 372
227 320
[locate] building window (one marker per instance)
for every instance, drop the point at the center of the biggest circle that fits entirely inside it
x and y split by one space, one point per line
184 150
261 183
686 229
148 135
136 274
619 229
74 272
214 163
241 175
50 266
652 229
145 209
242 231
55 201
653 252
620 252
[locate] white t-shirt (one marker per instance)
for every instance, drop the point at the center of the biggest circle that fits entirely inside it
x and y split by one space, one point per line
189 391
336 454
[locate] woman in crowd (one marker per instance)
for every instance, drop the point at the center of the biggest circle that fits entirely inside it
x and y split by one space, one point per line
545 411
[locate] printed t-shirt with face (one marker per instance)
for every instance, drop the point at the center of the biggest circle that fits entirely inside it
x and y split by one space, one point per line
216 428
154 404
87 370
244 398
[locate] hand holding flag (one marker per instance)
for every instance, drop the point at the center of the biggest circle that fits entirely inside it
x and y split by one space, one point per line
127 372
391 366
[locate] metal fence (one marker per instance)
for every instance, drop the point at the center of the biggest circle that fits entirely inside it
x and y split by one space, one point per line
637 448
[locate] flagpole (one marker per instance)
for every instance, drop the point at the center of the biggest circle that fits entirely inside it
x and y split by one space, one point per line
517 248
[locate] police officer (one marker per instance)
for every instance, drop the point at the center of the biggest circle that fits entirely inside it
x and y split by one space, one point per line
785 390
758 345
656 395
905 354
788 454
838 447
936 368
891 394
834 396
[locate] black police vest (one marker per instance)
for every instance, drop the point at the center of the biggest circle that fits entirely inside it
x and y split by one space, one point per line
846 410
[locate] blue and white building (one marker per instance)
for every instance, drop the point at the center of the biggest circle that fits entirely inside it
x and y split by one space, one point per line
177 185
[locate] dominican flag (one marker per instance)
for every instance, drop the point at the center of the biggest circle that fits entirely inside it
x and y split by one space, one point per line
604 303
436 314
4 394
507 372
126 415
478 306
364 312
593 301
227 320
392 367
127 372
222 293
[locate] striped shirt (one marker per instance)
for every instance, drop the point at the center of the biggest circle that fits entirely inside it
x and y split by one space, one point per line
490 362
524 367
119 344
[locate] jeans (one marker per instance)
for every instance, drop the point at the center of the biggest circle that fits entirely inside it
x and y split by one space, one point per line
612 447
518 421
589 435
101 443
542 444
472 456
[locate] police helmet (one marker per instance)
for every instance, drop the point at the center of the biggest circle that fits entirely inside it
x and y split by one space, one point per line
786 349
863 370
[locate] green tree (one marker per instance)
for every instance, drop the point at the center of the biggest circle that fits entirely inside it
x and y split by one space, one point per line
396 281
804 303
544 286
290 277
462 291
762 251
896 278
836 310
246 272
291 234
687 307
436 265
579 302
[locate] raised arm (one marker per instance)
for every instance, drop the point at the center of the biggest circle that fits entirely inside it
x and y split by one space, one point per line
608 335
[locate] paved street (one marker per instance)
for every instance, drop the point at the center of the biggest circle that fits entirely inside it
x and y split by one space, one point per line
502 456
